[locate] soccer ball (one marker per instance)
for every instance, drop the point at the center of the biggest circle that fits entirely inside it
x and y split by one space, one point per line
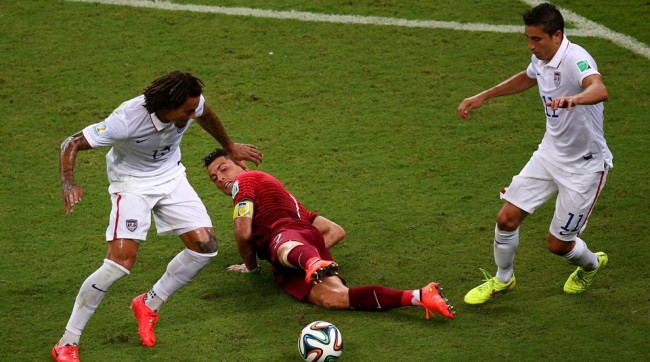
320 342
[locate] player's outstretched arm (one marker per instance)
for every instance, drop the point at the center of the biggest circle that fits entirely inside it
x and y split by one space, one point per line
70 192
331 231
515 84
238 152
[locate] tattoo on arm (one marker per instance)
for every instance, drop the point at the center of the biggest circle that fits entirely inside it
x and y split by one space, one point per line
212 124
68 156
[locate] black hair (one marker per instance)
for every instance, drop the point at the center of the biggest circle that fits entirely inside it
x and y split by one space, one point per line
207 160
171 91
547 15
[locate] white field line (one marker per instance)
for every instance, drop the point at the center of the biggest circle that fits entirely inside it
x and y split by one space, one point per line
585 27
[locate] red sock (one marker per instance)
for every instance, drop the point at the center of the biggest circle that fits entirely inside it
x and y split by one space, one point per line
375 297
299 255
409 299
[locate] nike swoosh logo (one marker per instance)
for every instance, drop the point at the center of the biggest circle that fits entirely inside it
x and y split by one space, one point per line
563 233
95 287
140 141
376 300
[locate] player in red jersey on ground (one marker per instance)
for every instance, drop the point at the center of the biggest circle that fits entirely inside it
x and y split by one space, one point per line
272 224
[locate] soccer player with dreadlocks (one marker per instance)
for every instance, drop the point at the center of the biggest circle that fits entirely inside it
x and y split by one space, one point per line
146 177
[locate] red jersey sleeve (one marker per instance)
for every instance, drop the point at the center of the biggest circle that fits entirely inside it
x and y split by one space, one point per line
310 216
244 188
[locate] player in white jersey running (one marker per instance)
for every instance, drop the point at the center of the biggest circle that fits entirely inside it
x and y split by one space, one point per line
146 177
572 160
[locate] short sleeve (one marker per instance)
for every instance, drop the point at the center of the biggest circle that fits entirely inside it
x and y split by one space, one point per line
243 189
109 132
311 216
531 72
581 65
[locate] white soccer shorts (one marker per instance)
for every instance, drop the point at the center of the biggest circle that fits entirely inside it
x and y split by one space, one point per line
577 193
175 205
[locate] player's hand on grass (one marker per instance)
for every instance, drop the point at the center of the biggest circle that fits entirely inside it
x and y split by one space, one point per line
243 269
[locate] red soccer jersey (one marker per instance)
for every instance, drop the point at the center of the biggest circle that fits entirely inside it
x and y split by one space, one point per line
271 203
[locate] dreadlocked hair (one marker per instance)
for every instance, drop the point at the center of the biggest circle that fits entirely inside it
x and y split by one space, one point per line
171 91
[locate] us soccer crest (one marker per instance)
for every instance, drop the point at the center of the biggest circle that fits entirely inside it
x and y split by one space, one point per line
557 79
131 224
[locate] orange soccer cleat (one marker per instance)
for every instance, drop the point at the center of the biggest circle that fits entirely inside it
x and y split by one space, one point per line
433 301
67 353
146 320
319 269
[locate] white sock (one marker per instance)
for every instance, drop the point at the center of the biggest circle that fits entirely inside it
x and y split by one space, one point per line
153 301
416 296
180 271
69 338
91 293
581 256
505 245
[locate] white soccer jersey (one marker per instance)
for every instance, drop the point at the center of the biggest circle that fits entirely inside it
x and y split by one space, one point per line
145 151
574 140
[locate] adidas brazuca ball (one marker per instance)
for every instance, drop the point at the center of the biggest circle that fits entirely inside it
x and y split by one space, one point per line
320 342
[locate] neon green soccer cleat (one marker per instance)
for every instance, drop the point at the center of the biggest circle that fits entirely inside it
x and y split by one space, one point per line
580 280
491 287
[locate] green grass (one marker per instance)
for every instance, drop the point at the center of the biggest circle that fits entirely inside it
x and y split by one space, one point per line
360 123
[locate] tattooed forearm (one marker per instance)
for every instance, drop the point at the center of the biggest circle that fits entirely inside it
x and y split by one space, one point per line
212 124
68 154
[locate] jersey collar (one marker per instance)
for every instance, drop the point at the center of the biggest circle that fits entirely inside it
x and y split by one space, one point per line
157 123
559 55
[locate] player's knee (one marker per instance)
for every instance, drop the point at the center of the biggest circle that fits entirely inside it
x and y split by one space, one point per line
283 252
507 222
202 240
209 247
122 252
557 246
510 217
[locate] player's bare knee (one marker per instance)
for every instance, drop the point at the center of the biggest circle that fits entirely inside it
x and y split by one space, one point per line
208 246
506 223
510 217
284 250
122 252
557 246
202 240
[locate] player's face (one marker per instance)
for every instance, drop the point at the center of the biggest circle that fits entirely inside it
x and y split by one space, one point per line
182 114
222 172
542 45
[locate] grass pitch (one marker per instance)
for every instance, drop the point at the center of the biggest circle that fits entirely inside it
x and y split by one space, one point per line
360 123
